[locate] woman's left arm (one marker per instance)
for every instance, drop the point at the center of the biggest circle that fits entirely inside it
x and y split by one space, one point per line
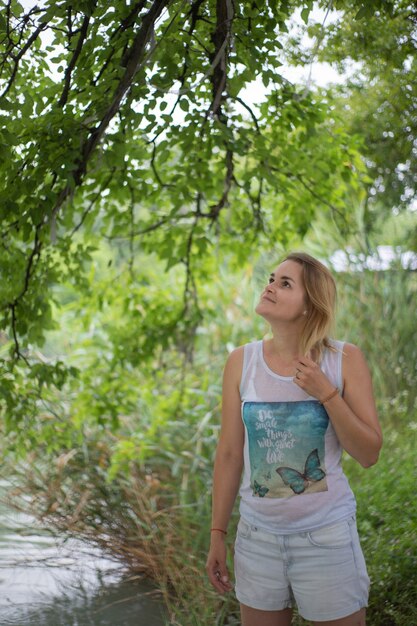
353 416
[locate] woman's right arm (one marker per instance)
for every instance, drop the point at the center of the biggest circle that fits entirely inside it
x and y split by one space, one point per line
227 470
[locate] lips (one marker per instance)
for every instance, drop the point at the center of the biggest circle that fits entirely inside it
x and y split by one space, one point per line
269 299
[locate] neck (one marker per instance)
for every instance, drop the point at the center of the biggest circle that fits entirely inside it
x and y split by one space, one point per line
286 346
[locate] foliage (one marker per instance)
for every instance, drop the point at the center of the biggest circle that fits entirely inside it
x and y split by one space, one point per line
130 124
379 98
139 188
142 491
387 513
374 313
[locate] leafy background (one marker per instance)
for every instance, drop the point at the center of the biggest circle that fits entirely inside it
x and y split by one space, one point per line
143 199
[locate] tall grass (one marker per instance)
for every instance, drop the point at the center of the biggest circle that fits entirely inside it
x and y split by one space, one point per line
387 518
377 311
140 518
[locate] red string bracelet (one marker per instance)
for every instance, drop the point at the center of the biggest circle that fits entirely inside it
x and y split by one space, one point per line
220 530
330 396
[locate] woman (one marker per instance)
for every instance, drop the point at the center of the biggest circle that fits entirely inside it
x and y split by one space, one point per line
290 405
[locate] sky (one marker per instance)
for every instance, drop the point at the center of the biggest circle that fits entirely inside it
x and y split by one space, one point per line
318 73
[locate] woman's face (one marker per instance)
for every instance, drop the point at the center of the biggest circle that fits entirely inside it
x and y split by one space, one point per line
284 297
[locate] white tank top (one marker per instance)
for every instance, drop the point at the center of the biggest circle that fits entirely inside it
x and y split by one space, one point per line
293 480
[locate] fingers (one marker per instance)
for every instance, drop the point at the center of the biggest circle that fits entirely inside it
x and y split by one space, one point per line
305 366
304 361
219 577
298 379
222 582
310 377
300 371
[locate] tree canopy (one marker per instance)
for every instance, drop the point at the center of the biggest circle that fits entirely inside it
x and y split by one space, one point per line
130 124
379 100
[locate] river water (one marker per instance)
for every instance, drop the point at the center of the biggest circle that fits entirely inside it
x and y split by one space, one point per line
49 581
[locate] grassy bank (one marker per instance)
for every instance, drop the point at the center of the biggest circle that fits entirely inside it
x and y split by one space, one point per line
160 530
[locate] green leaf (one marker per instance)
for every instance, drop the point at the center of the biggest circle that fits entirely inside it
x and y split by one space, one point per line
6 105
365 12
305 14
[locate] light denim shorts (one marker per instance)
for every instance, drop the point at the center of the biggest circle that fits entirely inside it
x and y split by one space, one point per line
322 571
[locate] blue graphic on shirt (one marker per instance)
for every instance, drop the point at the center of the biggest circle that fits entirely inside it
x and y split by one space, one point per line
259 490
298 481
286 447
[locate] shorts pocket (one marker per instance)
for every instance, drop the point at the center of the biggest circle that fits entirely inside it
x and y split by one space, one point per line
243 529
331 537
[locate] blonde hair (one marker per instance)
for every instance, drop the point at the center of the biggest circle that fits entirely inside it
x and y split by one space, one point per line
320 303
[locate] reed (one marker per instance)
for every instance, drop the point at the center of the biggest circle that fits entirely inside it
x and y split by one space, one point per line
376 310
140 519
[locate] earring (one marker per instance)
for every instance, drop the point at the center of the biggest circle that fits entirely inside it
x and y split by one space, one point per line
305 312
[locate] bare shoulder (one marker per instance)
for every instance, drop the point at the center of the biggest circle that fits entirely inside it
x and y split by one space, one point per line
350 348
234 365
353 356
356 371
236 356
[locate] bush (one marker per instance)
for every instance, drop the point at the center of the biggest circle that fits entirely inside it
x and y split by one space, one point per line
387 520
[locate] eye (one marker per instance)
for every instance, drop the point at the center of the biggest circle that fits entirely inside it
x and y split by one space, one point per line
285 283
271 279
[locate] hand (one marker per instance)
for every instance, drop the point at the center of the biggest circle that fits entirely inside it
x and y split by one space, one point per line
216 565
310 377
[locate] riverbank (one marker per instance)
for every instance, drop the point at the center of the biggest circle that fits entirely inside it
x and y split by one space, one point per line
46 580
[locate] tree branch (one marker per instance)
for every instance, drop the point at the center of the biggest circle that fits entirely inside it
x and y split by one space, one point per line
228 180
35 252
28 273
143 231
17 58
221 38
16 350
133 61
250 111
309 189
156 225
131 18
318 196
71 65
93 201
190 291
153 166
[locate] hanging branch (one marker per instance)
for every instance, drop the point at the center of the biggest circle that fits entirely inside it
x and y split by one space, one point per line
16 350
36 251
227 184
28 273
221 40
155 171
132 63
93 201
131 230
18 57
71 65
250 111
309 187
